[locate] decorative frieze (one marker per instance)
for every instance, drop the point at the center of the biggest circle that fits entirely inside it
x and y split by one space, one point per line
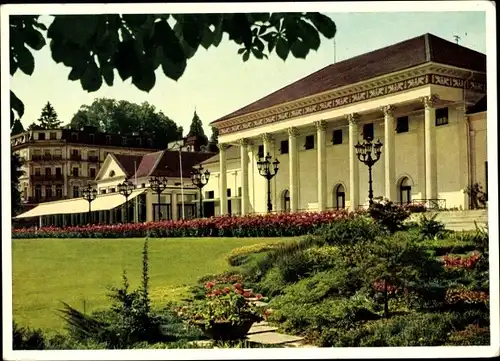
338 99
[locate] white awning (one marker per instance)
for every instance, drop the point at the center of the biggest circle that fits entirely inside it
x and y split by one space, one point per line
79 205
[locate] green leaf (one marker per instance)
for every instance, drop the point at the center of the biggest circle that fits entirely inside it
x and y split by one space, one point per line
309 34
299 49
77 28
91 80
192 30
34 39
246 56
108 74
207 38
16 104
217 33
13 65
173 70
323 23
241 50
257 53
145 80
134 20
25 60
125 60
166 37
76 73
282 48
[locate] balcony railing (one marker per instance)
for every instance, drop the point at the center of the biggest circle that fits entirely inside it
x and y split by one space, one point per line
46 177
75 157
45 199
93 158
45 157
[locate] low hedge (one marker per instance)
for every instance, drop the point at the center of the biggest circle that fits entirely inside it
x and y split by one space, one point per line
269 225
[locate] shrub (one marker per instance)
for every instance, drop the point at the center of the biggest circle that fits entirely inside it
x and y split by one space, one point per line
389 215
430 228
238 256
27 339
348 231
472 335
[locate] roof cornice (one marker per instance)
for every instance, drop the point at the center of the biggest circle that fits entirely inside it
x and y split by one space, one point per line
415 77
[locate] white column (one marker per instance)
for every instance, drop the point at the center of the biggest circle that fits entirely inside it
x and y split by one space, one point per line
174 206
389 153
223 179
149 205
244 176
430 149
293 158
353 162
321 154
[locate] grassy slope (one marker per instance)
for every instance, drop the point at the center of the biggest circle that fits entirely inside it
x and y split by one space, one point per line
46 271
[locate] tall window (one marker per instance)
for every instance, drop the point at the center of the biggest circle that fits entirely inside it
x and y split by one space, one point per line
337 137
76 192
441 116
58 170
368 132
37 171
53 135
286 201
284 147
59 191
339 197
48 171
261 151
74 137
48 191
38 191
404 191
309 144
92 172
402 125
41 136
108 139
75 171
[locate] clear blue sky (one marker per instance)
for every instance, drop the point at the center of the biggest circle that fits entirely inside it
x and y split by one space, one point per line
218 82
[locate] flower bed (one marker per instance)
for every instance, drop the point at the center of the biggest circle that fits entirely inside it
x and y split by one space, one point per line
272 225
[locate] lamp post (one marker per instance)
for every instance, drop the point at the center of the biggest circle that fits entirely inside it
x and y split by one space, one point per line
125 189
364 152
89 194
264 166
200 180
158 185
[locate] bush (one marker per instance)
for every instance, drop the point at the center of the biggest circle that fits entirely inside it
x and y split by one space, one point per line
269 225
430 228
389 215
472 335
348 231
27 339
238 256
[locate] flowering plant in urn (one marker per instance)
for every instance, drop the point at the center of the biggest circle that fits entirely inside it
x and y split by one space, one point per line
225 312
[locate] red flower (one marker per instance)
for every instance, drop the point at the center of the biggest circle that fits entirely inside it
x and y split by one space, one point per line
227 290
209 285
258 296
238 286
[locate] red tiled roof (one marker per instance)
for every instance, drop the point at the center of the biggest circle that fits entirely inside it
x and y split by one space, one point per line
147 163
393 58
169 164
127 162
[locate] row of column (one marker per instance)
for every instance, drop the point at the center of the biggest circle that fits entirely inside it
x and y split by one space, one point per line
430 191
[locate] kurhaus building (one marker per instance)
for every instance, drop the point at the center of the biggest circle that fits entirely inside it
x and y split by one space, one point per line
423 98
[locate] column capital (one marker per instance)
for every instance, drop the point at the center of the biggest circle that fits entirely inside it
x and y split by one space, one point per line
388 110
243 142
429 101
267 137
352 118
222 146
321 125
293 132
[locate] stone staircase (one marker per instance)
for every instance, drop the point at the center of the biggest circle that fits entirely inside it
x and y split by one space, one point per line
458 220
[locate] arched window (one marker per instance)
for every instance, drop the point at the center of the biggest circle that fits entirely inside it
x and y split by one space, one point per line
339 196
286 200
404 191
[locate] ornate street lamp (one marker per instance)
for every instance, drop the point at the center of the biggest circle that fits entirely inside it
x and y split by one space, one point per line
364 152
125 189
200 180
89 194
158 185
264 166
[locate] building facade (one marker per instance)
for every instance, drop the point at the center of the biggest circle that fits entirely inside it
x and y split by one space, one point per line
178 199
59 163
421 98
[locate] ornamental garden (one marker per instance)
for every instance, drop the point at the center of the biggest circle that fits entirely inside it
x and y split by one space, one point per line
336 279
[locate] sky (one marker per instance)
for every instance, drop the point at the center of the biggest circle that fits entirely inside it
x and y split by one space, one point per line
217 81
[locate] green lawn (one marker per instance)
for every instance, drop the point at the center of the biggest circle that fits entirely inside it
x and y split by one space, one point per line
46 271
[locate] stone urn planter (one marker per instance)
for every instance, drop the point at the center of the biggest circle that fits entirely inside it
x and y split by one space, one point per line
225 331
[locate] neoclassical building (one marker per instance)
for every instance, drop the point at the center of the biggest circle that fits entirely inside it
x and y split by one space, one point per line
423 98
